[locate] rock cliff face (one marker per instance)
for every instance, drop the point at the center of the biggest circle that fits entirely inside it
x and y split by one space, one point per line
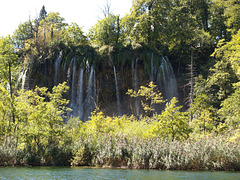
103 81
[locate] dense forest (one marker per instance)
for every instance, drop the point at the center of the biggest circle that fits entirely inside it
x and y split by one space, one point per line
198 130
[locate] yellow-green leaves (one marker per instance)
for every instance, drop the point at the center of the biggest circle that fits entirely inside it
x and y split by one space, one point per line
150 96
172 123
40 114
106 31
230 110
203 115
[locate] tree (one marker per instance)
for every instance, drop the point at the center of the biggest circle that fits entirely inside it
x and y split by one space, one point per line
225 19
106 9
150 97
226 70
5 113
9 69
150 21
40 116
53 22
22 34
230 110
229 52
106 31
227 79
232 12
218 28
172 123
42 14
74 35
203 114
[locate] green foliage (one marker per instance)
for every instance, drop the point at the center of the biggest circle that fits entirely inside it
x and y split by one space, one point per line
232 13
39 121
74 35
218 28
22 34
106 31
225 18
230 111
229 52
150 97
53 21
38 131
222 78
202 114
172 123
42 14
9 71
5 112
224 73
8 62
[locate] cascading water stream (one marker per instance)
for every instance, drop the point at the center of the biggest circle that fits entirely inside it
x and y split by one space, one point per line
172 82
19 78
24 79
82 82
135 85
168 79
73 97
64 70
152 69
57 68
80 94
69 72
68 81
117 92
90 98
94 88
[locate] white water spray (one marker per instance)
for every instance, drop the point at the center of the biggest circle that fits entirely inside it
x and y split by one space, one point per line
117 92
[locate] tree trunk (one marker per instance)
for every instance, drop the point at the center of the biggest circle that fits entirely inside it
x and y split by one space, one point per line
11 90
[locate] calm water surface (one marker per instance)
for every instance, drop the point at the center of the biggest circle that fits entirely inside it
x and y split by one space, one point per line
95 173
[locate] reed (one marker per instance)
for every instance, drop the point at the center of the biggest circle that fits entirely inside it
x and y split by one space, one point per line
212 153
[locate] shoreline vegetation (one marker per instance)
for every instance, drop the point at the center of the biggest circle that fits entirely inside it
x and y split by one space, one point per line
166 141
201 39
119 151
122 142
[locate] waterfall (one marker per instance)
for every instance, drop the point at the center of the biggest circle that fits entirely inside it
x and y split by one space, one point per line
20 76
69 72
117 92
152 69
57 68
73 97
8 86
68 82
135 85
172 82
168 79
80 94
94 82
24 79
89 99
64 70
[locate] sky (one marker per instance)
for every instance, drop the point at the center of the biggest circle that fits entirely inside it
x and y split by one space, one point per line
85 13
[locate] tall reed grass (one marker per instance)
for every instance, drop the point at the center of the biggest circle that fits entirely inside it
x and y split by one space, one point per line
212 153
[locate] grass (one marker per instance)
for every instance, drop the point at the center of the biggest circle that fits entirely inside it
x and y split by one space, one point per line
214 153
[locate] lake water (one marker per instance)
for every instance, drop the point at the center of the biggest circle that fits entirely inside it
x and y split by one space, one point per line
98 173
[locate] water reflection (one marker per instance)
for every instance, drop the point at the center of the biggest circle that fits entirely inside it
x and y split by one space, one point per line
97 173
